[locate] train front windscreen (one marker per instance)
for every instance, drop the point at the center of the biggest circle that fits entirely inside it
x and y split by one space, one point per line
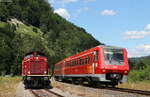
113 56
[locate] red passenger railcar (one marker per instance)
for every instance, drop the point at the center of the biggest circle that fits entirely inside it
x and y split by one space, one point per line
102 64
35 70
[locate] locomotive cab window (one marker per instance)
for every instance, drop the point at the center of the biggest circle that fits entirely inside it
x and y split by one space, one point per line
28 56
113 56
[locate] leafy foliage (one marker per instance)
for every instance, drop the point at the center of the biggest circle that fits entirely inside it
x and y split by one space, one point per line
140 68
31 25
140 75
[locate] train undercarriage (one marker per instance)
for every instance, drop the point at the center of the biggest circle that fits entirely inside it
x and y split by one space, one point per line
36 81
93 80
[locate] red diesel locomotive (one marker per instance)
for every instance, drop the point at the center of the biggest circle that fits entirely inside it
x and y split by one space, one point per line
102 64
35 70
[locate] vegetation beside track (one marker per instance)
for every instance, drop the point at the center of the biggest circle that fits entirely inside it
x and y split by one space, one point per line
140 75
143 85
8 86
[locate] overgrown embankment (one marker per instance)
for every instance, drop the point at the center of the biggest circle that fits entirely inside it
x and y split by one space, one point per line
32 25
8 86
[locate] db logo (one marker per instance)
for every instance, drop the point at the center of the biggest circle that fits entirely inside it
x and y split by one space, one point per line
114 66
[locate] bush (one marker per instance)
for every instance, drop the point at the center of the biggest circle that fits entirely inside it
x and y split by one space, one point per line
140 75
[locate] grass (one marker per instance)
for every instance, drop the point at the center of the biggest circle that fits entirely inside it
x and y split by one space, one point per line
143 85
8 86
28 30
2 24
138 79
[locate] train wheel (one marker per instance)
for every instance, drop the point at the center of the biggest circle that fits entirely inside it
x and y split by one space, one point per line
114 84
91 83
81 81
27 86
56 79
74 81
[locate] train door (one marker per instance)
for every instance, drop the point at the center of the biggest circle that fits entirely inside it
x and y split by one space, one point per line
95 61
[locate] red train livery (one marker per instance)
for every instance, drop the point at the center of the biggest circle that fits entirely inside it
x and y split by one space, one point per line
35 70
102 64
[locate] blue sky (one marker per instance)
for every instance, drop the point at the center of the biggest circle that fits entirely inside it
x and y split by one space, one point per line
123 23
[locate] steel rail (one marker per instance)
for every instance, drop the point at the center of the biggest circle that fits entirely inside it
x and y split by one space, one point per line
142 92
53 93
42 92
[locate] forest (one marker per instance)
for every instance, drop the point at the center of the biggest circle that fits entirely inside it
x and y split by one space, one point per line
32 25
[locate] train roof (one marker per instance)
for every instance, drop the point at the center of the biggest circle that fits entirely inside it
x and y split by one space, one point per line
109 46
40 53
104 46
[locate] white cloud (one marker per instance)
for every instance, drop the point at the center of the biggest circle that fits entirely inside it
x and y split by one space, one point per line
147 27
62 12
67 1
62 2
137 34
140 50
107 12
90 0
80 10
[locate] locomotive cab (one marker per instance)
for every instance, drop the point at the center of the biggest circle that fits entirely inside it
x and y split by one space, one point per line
114 66
35 70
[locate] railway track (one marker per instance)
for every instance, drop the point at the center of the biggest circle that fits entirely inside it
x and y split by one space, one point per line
142 92
126 90
44 93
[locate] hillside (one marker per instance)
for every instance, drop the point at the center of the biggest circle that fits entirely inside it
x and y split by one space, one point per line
139 62
31 25
146 60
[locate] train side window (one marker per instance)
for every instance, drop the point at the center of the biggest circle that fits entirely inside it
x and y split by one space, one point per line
76 62
95 55
68 64
80 61
71 63
83 61
88 59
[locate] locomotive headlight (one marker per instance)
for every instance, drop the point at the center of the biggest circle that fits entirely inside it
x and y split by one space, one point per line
45 59
37 58
125 71
28 72
45 72
103 70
